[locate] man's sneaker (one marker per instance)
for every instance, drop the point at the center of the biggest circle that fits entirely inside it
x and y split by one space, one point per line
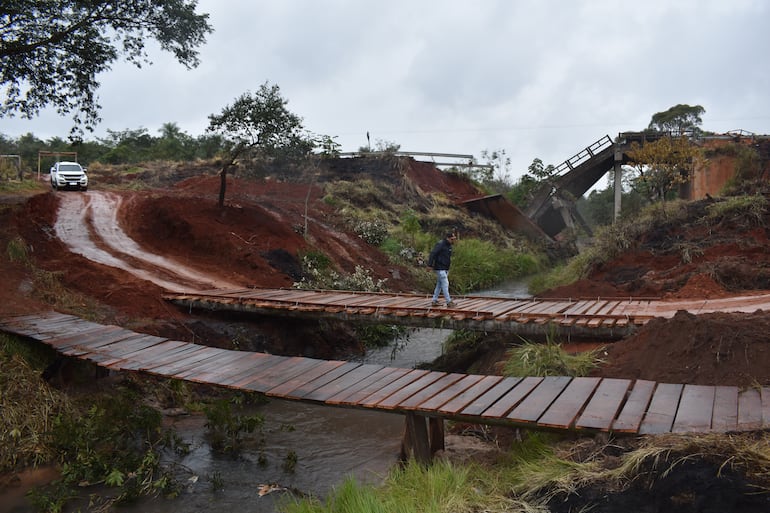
434 303
451 304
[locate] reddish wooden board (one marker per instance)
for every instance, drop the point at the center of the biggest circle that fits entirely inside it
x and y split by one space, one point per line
193 360
481 403
568 405
695 410
472 393
159 354
95 338
246 367
303 390
394 400
632 412
504 404
429 392
344 382
725 417
540 399
381 394
263 364
749 409
605 404
367 386
450 392
285 389
213 367
662 410
765 396
280 374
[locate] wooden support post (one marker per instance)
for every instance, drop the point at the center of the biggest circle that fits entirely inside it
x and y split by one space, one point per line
423 437
436 427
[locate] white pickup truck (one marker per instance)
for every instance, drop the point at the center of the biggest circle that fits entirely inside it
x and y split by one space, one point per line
69 175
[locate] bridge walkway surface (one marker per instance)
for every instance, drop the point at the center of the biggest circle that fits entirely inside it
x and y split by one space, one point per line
597 318
426 398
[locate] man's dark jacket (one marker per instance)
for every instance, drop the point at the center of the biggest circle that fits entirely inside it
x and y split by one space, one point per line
441 256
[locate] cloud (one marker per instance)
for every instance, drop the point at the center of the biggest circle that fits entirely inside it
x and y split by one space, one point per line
536 78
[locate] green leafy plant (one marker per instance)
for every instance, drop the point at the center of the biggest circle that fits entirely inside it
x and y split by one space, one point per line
226 429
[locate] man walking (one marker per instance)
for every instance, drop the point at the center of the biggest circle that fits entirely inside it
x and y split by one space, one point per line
440 259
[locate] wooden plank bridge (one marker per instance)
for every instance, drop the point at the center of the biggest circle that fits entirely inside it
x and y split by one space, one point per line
426 398
597 318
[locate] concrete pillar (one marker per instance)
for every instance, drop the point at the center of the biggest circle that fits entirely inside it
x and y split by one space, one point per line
618 179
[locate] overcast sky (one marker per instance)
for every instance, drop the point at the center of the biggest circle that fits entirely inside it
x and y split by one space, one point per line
536 78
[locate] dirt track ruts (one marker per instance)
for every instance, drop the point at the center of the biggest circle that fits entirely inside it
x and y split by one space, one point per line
88 224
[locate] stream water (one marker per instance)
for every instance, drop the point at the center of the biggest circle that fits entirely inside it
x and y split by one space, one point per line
329 443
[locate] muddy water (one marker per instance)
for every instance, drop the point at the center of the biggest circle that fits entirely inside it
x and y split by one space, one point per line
331 443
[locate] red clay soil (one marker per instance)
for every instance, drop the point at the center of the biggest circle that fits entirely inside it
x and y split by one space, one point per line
256 238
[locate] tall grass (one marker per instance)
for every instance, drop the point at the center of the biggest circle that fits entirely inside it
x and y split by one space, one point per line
549 359
440 488
479 264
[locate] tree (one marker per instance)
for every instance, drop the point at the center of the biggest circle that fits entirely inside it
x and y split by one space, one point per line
258 122
662 165
51 51
678 119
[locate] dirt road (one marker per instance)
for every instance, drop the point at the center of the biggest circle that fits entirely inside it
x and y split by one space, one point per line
88 224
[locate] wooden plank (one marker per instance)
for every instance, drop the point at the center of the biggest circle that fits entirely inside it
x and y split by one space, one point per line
662 411
394 400
749 409
216 365
248 366
274 375
285 389
568 405
320 381
76 327
765 396
252 372
512 398
118 336
450 392
630 417
367 386
272 364
164 352
187 361
343 382
472 393
67 338
280 374
96 338
725 416
381 394
94 351
695 410
128 348
430 391
488 398
604 405
540 399
45 327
